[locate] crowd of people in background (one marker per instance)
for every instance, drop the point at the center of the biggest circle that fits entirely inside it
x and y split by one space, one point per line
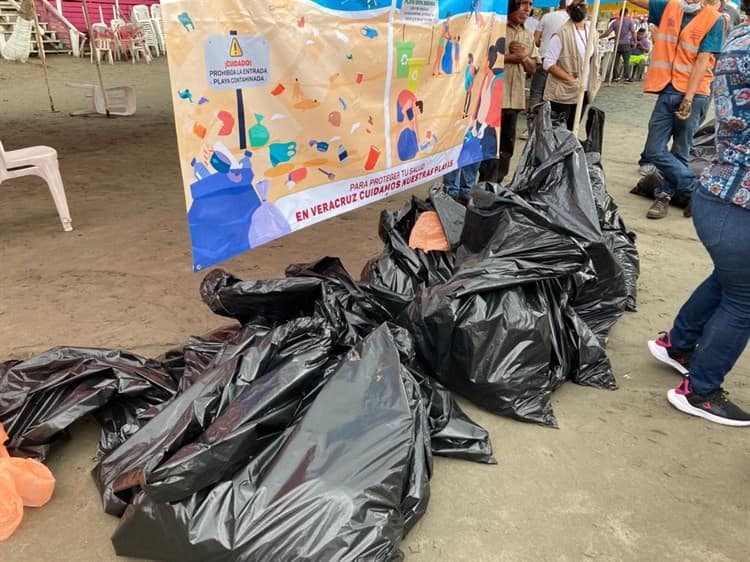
685 51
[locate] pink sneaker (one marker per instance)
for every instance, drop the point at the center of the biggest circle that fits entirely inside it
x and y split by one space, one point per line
679 359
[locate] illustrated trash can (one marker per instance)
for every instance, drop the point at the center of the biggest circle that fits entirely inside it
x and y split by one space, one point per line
404 52
416 66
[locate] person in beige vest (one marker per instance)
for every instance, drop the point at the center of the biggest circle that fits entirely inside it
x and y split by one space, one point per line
564 62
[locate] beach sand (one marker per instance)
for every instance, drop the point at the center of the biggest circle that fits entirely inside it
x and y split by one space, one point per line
625 477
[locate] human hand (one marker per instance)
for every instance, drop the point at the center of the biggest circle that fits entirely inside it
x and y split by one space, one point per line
685 109
517 48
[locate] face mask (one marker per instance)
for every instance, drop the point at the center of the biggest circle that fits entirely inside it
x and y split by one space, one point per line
690 8
578 13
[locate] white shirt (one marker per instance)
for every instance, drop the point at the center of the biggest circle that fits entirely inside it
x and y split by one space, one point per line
549 25
532 24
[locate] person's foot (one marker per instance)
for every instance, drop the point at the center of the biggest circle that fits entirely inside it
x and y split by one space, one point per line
688 211
679 359
715 406
628 80
616 80
659 208
646 169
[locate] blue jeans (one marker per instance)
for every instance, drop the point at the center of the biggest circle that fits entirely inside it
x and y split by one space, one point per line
716 317
664 125
460 181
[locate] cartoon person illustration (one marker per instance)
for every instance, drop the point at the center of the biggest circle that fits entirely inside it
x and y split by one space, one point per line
407 105
469 74
443 46
488 112
457 54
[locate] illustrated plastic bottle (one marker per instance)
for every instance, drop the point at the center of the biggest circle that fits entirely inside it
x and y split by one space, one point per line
245 162
199 170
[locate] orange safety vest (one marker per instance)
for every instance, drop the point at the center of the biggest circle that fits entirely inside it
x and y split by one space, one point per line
676 50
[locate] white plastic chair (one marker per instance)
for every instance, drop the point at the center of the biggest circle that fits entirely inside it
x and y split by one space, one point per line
158 21
141 16
114 25
121 100
102 43
37 161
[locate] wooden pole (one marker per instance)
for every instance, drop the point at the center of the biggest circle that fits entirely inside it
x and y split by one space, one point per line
590 45
94 55
617 44
42 56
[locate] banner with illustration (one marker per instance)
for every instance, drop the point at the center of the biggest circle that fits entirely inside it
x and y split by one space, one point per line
290 112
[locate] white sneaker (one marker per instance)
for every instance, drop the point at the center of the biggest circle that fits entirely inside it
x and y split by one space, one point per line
646 169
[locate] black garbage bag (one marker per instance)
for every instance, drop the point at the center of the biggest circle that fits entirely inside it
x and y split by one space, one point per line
400 272
452 214
355 312
245 399
361 310
502 331
346 482
452 432
620 241
43 396
701 155
553 174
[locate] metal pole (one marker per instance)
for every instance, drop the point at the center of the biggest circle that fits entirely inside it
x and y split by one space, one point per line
93 53
42 55
617 44
593 40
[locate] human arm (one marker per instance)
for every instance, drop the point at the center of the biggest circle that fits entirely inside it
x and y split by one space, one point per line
551 58
519 54
538 36
702 62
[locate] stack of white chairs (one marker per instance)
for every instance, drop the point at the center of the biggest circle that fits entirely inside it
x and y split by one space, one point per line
158 22
142 18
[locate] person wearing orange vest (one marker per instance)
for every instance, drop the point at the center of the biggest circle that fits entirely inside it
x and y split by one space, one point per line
689 34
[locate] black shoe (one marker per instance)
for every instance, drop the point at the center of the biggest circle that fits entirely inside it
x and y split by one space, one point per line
688 211
628 80
659 208
679 359
715 407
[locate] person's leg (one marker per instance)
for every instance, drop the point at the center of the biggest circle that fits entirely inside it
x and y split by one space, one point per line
682 141
469 175
626 62
538 83
656 150
507 140
451 182
721 226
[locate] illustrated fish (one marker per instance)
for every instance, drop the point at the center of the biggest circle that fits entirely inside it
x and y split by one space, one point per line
185 95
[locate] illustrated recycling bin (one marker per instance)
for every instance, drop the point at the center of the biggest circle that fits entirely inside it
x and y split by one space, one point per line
404 52
416 66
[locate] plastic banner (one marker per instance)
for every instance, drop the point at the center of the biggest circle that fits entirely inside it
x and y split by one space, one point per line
291 112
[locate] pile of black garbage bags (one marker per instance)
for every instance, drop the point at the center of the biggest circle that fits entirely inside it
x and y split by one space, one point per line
306 429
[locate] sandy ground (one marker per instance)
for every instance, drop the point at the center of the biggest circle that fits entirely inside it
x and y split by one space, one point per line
625 477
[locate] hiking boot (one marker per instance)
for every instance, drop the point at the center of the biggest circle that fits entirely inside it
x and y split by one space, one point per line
646 169
659 208
679 359
715 406
688 211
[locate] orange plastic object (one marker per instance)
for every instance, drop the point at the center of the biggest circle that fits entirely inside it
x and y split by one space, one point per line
34 481
428 233
3 438
11 505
